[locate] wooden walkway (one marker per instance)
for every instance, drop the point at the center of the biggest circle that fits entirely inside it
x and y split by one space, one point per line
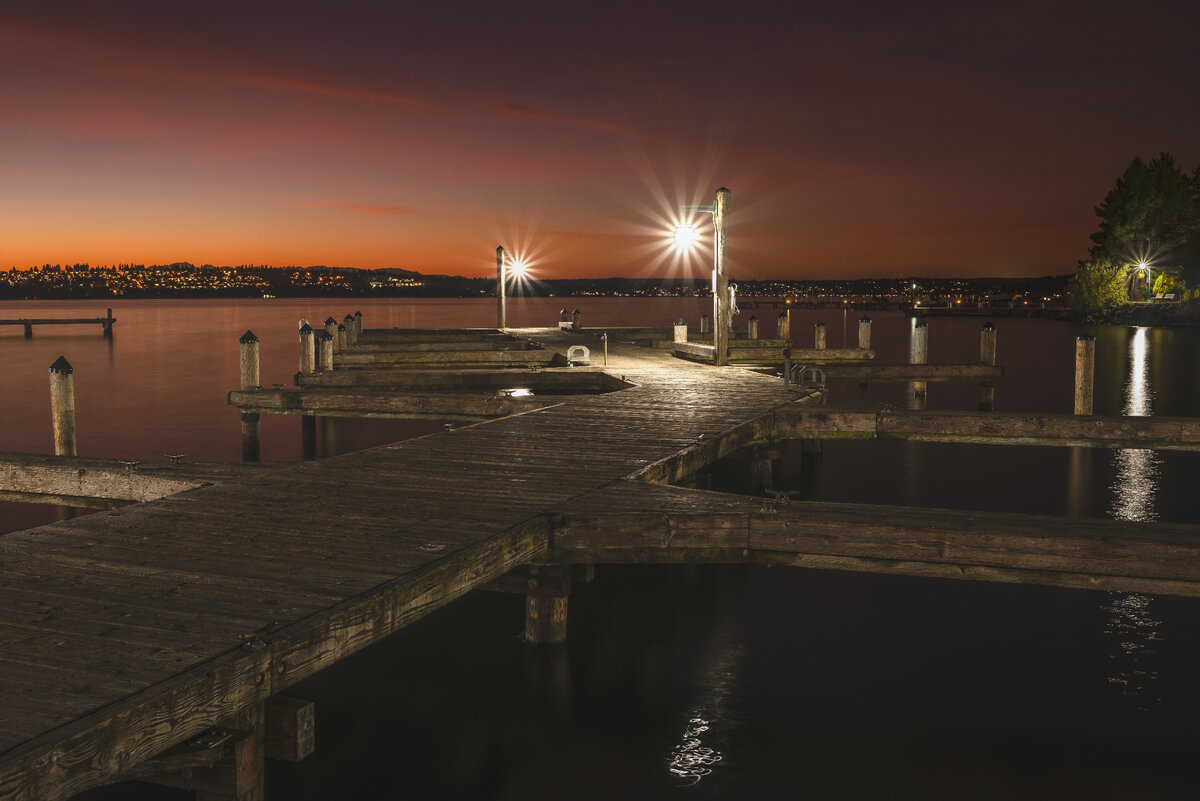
126 632
129 631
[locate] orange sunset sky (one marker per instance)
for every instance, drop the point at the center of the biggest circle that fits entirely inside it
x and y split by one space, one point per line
857 138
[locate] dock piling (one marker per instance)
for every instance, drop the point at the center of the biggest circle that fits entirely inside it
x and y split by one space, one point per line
325 351
920 355
351 333
62 406
576 320
1085 373
331 327
864 332
108 324
783 326
752 328
819 336
249 361
358 326
308 355
704 324
987 355
341 337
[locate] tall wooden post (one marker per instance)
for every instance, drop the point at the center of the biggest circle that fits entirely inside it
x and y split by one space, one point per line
920 355
782 327
819 336
308 354
108 323
577 320
704 324
501 320
563 317
249 361
722 311
681 332
331 327
341 337
864 332
325 351
358 327
62 406
752 328
987 355
1085 373
351 334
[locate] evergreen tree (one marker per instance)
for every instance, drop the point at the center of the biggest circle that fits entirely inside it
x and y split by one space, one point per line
1151 215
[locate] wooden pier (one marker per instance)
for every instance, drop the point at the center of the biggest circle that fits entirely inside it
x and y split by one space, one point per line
158 640
105 322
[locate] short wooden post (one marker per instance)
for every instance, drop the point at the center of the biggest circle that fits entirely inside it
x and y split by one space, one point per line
249 361
108 323
987 355
308 354
1085 373
704 324
563 317
325 351
819 336
28 330
358 327
331 326
576 320
681 330
351 334
752 328
864 332
62 406
787 365
341 337
783 326
545 618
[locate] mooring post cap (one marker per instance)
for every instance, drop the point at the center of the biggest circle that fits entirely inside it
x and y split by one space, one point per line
331 321
681 321
62 366
323 334
864 319
248 338
922 324
349 318
305 329
341 327
1085 338
989 326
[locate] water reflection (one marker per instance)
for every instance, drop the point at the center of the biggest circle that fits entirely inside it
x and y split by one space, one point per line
1134 491
691 760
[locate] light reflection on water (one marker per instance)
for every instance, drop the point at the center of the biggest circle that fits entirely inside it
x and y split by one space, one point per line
1134 491
691 760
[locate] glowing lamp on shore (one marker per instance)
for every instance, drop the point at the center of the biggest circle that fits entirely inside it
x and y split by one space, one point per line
685 235
518 266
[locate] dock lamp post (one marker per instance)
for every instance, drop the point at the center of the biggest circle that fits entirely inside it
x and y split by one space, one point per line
503 261
1144 269
722 307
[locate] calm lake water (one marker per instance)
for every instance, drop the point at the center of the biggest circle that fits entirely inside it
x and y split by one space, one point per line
719 681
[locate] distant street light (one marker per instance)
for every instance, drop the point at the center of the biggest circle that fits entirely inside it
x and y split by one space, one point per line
722 305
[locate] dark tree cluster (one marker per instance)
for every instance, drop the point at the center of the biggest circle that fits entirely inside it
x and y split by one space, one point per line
1149 238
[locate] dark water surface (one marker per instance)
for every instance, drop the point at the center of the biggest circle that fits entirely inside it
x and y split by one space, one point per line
732 682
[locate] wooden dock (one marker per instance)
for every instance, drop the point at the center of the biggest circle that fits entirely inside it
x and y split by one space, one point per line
129 633
105 322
